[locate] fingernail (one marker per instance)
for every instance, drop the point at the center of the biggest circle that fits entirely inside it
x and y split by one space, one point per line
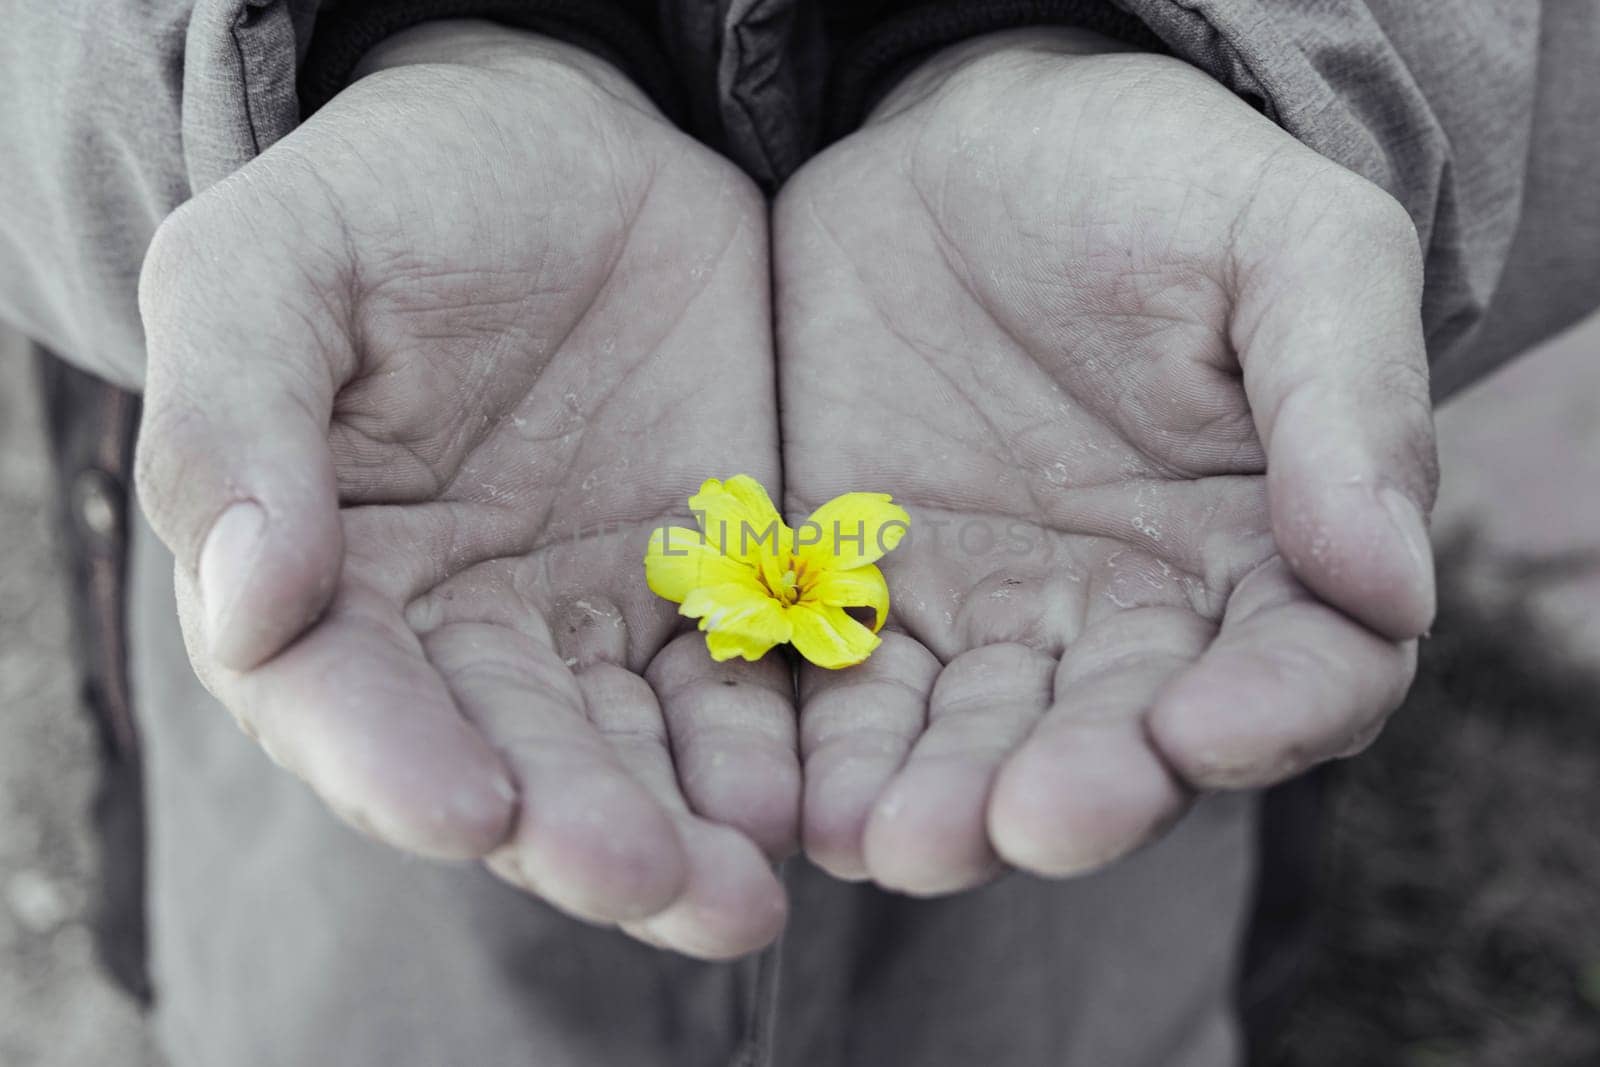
1407 521
226 559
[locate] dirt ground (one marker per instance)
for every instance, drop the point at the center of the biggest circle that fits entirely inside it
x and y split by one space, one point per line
1466 928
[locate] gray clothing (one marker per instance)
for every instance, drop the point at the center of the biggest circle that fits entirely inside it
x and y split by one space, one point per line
280 937
1480 116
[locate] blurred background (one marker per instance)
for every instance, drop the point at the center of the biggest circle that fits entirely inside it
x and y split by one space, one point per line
1461 905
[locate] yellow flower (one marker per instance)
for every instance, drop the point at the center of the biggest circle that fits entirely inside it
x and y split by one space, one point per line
754 583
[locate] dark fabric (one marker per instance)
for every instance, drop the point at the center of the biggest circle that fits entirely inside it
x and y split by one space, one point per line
91 428
346 31
1292 848
877 43
770 71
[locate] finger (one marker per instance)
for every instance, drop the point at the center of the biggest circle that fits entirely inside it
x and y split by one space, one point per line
1288 683
233 468
1086 788
728 900
356 711
1329 335
856 728
590 838
733 739
731 903
927 833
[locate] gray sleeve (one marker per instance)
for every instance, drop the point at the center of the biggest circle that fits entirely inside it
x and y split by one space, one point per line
1481 116
112 115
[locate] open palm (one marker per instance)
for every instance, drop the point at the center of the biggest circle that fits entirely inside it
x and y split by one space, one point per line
1067 309
439 361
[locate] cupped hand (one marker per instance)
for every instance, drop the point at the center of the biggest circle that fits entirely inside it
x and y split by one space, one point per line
1149 376
422 378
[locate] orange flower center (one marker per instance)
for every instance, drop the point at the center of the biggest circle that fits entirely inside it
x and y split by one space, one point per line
792 584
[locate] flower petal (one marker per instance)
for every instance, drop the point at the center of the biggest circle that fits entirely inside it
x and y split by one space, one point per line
679 560
829 637
860 587
740 619
738 517
853 530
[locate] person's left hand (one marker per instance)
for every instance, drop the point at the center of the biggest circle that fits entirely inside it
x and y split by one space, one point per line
423 377
1149 376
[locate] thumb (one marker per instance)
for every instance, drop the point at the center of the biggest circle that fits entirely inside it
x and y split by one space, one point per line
233 467
1329 335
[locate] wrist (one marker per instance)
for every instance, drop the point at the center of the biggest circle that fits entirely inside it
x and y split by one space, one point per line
471 44
990 54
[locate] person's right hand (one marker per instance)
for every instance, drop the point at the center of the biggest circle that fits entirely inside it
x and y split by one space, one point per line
422 378
1159 369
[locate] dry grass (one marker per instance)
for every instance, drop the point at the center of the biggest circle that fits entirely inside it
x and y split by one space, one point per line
1462 907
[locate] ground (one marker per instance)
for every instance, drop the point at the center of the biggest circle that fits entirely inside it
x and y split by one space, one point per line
56 1007
1462 914
1462 895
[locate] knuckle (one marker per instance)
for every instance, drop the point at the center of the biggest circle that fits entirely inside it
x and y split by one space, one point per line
1386 216
181 266
1391 232
171 445
1359 218
1404 378
169 258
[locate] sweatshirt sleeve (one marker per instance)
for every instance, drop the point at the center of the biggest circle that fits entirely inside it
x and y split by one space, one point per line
113 114
91 160
1482 117
619 31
